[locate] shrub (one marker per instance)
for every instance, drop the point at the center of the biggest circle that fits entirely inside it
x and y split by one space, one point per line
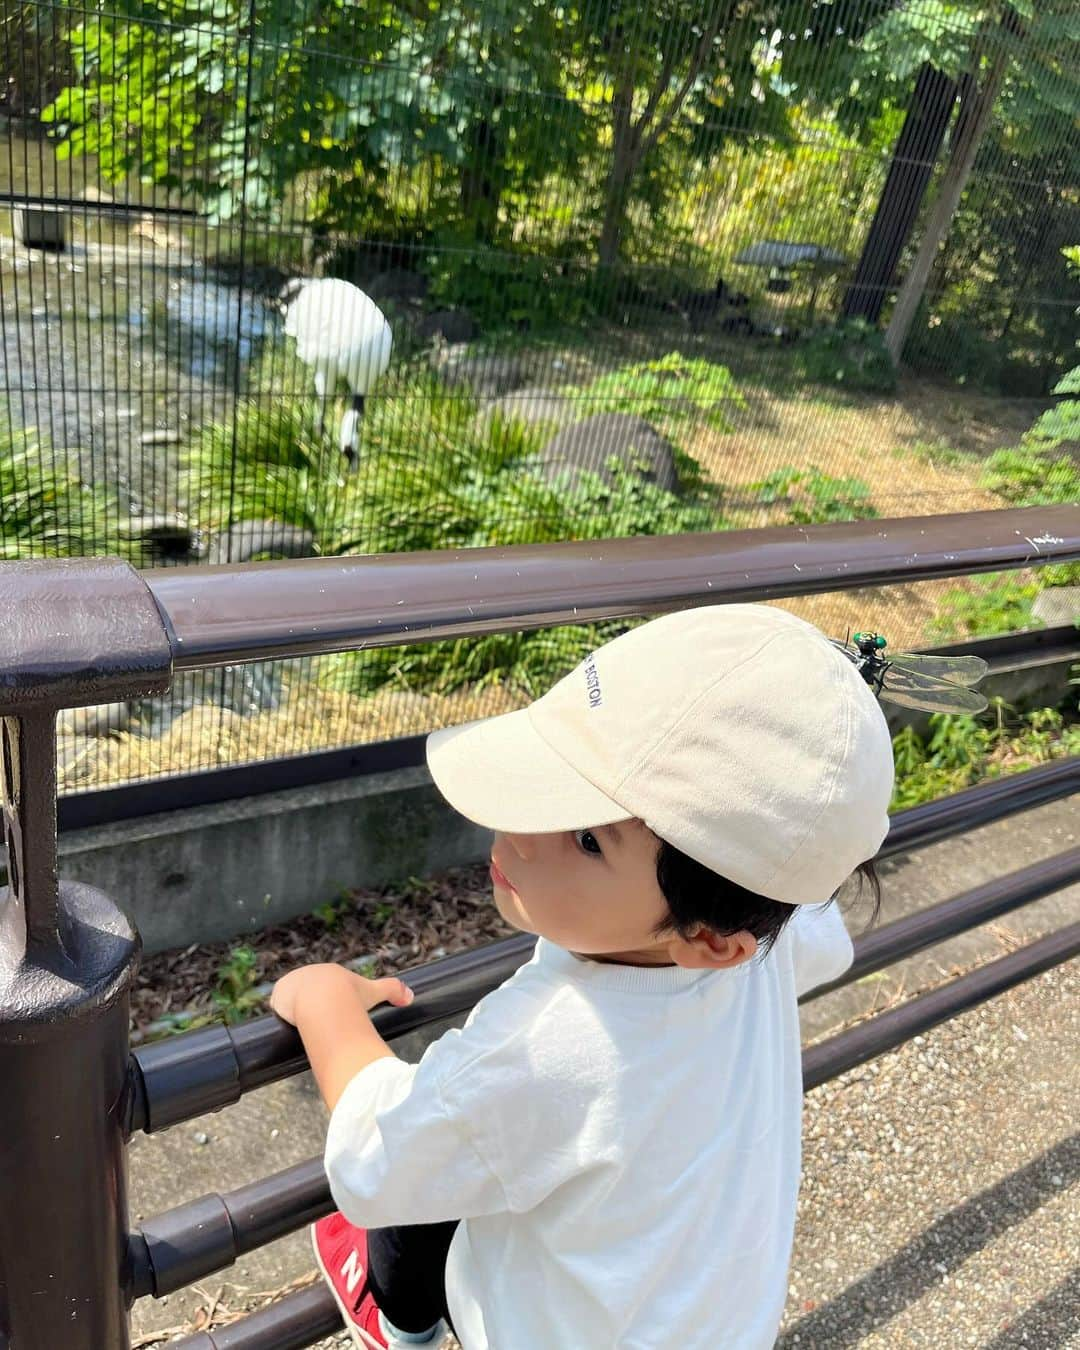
506 292
673 386
851 353
1030 474
959 751
46 511
813 497
993 603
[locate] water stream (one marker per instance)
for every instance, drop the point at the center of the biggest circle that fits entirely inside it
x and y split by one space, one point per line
121 343
115 348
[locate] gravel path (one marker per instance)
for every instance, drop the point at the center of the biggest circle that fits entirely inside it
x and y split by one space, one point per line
938 1205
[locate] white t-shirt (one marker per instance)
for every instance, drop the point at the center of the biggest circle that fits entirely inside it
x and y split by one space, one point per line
622 1143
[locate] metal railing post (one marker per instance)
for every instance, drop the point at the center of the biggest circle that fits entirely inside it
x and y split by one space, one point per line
74 633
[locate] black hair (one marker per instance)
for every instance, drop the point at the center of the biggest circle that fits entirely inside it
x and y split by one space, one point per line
697 896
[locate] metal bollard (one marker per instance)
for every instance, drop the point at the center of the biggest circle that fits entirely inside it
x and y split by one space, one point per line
74 633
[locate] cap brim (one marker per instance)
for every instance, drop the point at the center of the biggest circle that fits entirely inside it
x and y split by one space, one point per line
501 773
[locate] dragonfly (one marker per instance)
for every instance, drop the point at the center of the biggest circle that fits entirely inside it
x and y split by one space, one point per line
934 683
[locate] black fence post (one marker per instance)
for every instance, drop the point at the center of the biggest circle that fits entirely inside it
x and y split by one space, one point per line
75 633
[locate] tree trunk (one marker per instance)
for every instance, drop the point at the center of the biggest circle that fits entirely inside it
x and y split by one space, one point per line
624 156
913 159
973 122
481 181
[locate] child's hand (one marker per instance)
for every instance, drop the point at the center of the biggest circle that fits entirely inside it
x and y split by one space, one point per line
343 986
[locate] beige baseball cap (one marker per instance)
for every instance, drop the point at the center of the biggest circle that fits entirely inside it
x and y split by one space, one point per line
738 733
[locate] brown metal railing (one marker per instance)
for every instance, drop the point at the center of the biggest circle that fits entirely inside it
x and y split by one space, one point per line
82 632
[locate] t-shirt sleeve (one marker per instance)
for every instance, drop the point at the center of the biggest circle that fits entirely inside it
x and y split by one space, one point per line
487 1122
821 947
395 1154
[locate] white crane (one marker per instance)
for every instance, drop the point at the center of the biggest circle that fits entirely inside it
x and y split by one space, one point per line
341 334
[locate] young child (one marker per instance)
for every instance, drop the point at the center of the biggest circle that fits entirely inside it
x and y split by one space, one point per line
608 1154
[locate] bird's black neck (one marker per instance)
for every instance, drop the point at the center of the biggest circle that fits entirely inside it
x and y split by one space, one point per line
358 403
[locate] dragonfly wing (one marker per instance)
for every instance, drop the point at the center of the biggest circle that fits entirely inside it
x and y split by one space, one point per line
938 698
958 669
932 683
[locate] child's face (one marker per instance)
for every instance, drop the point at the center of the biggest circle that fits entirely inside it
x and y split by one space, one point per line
595 892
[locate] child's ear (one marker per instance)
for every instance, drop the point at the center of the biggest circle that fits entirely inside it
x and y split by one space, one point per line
706 949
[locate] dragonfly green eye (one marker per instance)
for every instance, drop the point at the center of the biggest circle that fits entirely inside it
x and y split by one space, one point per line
879 642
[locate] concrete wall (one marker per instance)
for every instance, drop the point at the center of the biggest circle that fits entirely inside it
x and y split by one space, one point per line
213 872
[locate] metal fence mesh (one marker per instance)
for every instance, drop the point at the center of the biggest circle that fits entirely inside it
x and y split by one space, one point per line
662 252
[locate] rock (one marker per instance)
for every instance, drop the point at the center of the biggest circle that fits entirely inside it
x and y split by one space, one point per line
166 535
76 759
535 407
248 538
159 526
1057 605
589 444
397 283
40 226
100 719
452 325
487 374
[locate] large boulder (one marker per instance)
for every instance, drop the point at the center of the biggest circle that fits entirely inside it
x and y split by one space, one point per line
1057 606
589 444
534 407
397 283
486 374
451 325
247 539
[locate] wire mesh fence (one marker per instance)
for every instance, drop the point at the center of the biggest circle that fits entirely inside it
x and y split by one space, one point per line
287 279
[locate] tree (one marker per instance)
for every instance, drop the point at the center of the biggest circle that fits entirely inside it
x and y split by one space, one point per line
34 60
981 88
910 170
675 66
1019 76
233 101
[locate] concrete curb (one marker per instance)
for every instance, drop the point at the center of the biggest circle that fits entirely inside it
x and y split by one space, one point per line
207 873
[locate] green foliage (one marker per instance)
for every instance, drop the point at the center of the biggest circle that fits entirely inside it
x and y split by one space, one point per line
1060 574
526 662
1031 475
960 751
852 354
441 479
265 464
508 292
814 497
333 912
673 386
381 914
237 978
1060 425
45 509
347 95
995 602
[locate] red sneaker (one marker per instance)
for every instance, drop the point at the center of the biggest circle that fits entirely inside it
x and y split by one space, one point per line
341 1251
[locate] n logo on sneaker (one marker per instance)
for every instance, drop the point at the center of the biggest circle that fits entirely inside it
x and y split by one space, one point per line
352 1270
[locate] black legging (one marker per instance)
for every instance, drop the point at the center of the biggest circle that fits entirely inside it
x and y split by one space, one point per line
406 1272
